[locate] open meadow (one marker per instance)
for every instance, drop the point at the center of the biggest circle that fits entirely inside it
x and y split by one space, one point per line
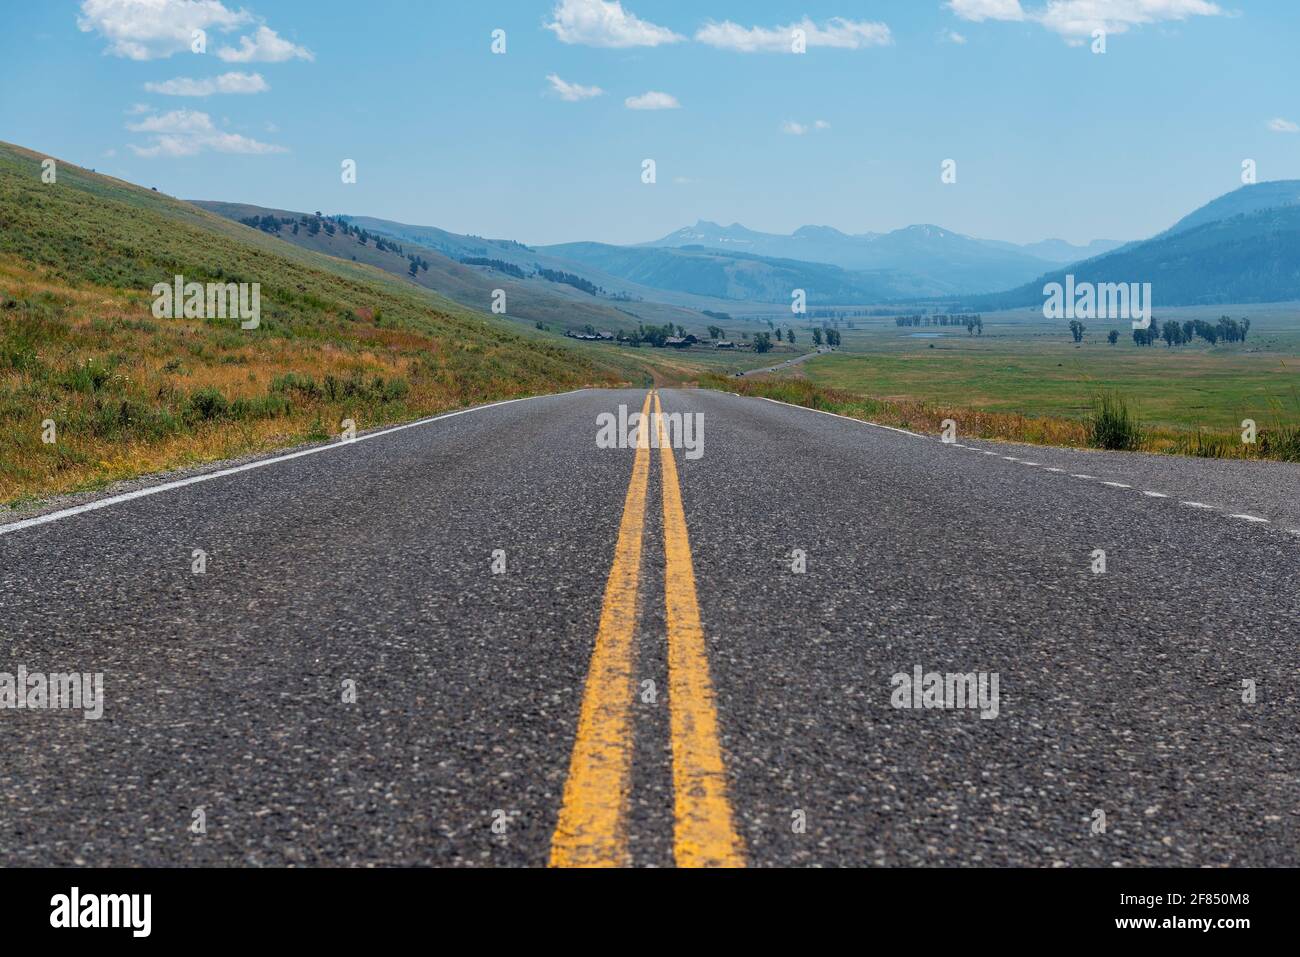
1025 364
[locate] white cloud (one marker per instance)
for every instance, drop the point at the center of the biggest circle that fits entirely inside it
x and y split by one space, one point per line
652 100
1280 125
225 83
135 109
604 23
190 132
266 46
836 33
150 29
572 92
952 36
980 10
791 128
1075 20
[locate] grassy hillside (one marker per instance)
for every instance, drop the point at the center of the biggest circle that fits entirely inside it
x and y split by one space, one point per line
129 393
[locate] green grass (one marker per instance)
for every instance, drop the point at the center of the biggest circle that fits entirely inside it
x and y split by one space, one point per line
1026 381
1026 365
1031 367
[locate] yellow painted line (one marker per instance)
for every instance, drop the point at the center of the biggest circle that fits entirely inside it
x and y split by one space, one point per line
592 826
704 832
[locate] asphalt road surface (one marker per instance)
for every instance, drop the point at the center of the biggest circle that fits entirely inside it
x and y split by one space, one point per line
650 679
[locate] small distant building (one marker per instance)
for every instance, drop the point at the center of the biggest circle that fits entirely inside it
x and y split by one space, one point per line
724 344
679 342
589 336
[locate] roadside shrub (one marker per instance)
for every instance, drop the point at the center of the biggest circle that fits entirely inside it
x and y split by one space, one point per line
207 404
1113 425
127 417
292 382
88 377
395 390
262 407
1281 443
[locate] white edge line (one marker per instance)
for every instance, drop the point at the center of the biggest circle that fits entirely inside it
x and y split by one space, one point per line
846 418
905 432
260 463
1249 518
1198 505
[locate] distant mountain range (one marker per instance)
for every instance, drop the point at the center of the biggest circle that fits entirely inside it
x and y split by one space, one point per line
904 249
1242 247
742 276
740 263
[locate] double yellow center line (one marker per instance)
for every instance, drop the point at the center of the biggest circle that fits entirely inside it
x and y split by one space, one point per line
592 826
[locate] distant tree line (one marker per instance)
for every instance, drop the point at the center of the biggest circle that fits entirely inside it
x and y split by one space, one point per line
500 265
972 322
1175 333
569 279
839 313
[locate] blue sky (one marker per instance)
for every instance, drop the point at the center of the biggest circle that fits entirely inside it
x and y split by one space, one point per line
1050 139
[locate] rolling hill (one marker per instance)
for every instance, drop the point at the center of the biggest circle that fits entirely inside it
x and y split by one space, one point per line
530 297
127 392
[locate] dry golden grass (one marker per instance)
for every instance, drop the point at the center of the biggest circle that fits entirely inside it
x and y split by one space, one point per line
125 390
928 418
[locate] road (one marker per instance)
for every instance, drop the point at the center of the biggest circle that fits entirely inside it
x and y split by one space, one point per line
505 718
820 350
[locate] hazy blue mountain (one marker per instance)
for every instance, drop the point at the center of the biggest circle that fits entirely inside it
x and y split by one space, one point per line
1235 249
1060 251
1248 199
653 304
728 274
933 256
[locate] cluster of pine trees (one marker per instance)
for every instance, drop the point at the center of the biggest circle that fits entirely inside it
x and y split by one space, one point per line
267 223
1181 333
500 265
569 279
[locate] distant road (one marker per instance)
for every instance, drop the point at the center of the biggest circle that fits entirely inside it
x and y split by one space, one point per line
789 362
648 681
